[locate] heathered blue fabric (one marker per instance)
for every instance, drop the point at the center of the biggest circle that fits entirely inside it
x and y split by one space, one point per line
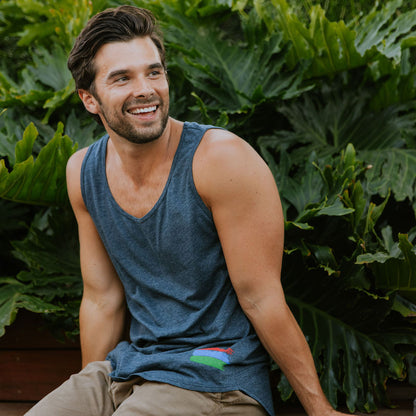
183 306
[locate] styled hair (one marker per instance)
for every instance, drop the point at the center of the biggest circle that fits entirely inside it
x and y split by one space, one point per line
120 24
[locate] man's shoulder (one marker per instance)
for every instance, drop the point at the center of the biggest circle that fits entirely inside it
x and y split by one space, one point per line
75 161
225 162
77 158
222 145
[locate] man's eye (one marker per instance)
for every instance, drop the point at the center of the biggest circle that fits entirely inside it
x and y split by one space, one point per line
155 73
122 79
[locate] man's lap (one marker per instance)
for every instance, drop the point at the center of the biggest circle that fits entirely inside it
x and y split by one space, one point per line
92 393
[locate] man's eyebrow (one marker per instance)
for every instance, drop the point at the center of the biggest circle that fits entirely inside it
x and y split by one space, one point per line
117 73
156 65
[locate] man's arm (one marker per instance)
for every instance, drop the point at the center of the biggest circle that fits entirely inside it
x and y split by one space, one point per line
102 312
238 187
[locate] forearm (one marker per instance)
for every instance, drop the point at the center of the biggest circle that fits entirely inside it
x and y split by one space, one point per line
101 329
285 342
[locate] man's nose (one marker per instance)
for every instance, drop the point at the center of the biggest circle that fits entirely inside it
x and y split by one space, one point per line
142 87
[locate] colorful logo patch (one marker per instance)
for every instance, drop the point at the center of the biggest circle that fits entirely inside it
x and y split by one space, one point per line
214 357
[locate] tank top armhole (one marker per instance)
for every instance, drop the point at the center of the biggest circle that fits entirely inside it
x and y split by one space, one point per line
82 176
96 148
198 198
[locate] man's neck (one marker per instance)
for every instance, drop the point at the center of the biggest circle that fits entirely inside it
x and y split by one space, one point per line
138 161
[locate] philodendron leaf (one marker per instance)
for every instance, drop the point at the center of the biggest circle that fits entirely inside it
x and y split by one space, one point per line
8 298
50 67
394 272
51 70
231 75
23 149
44 249
330 46
40 181
28 92
390 32
13 297
394 169
348 350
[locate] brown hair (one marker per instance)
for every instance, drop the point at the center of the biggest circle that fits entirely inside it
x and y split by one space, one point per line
120 24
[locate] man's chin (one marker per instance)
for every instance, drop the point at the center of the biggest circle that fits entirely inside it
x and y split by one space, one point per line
138 133
146 134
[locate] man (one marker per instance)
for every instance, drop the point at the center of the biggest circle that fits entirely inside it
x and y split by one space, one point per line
181 225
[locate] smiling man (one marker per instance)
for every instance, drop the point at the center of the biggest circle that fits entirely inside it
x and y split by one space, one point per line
181 228
120 71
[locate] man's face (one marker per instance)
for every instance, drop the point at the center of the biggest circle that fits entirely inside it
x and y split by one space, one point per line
131 92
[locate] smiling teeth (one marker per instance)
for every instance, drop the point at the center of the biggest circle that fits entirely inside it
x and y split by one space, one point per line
143 110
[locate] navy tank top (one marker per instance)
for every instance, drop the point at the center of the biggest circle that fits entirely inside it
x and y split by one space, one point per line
187 327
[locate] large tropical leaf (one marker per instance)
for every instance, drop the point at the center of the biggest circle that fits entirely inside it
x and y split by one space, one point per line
12 126
47 82
40 181
379 41
331 118
49 28
13 296
325 121
350 357
342 201
329 45
231 75
10 132
388 34
387 31
355 351
27 91
44 249
354 335
82 129
62 19
306 193
51 282
396 269
393 169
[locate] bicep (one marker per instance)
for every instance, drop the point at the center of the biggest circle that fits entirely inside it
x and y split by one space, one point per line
99 276
98 273
242 194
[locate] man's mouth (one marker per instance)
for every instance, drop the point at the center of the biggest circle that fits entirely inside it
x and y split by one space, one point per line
143 110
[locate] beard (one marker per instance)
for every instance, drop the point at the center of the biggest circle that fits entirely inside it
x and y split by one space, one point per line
147 132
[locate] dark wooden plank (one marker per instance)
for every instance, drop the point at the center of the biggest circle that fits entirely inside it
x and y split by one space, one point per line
28 375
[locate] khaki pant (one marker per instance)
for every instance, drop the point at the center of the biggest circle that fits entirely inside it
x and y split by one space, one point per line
92 393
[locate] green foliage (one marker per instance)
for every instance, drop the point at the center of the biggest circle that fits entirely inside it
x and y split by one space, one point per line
326 119
47 31
337 301
330 46
324 91
43 21
394 267
40 181
346 11
389 36
235 76
50 282
12 226
394 169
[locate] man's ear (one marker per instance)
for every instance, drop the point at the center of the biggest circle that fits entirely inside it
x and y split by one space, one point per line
90 102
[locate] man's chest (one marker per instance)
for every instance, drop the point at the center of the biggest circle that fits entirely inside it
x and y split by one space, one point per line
138 199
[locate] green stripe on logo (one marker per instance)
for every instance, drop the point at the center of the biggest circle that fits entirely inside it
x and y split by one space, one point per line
212 362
